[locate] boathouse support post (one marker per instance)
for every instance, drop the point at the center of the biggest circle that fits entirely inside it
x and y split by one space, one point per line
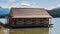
50 20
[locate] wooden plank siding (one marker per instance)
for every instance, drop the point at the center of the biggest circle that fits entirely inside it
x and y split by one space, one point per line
29 21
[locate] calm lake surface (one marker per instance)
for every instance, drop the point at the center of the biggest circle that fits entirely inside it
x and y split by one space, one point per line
54 30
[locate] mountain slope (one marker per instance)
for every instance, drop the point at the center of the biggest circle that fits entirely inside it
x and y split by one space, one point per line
4 12
55 12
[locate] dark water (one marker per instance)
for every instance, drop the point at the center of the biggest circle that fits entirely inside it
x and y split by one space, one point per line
54 30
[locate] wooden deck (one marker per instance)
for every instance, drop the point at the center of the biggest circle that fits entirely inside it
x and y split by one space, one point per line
29 26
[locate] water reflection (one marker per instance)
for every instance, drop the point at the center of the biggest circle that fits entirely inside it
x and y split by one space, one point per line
29 31
25 31
56 26
4 31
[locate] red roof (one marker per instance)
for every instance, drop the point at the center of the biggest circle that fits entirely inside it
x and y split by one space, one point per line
29 13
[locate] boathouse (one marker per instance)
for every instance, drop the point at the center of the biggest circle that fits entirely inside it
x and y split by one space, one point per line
29 16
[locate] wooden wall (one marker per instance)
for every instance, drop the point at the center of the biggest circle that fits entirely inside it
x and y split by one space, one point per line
29 21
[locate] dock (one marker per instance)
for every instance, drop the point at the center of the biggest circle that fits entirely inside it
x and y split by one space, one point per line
29 26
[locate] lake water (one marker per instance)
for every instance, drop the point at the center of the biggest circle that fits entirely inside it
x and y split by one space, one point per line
54 30
56 26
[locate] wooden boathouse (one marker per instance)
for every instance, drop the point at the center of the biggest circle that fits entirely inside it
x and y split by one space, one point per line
29 17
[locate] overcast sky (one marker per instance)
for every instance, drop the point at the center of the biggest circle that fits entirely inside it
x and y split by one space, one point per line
48 4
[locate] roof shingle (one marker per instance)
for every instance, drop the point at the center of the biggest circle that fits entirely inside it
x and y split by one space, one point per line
29 13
